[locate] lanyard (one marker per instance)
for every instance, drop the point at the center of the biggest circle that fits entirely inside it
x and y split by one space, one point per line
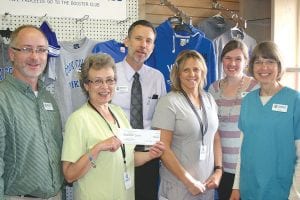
122 146
203 126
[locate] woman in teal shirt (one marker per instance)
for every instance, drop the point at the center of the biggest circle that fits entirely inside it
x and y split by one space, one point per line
270 122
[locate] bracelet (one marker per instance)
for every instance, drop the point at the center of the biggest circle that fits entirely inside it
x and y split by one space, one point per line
218 167
92 161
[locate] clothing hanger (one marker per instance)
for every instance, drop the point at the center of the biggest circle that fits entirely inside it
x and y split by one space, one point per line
219 19
5 33
81 32
183 27
237 32
218 15
230 13
178 21
175 20
179 25
123 34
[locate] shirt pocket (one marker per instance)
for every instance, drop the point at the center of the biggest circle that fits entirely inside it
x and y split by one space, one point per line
150 106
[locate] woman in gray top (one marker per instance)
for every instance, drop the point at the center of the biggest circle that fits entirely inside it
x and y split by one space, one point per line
187 118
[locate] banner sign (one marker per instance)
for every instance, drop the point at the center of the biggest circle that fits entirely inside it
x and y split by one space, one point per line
96 9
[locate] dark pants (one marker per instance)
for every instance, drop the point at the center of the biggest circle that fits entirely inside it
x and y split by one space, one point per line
147 180
225 187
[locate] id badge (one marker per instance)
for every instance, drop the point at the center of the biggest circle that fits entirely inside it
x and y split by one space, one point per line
203 152
48 106
127 181
122 89
280 108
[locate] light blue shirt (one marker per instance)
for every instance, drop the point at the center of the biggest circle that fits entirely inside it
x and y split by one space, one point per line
153 87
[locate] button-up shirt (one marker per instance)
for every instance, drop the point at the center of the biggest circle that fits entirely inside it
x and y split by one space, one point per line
30 141
153 87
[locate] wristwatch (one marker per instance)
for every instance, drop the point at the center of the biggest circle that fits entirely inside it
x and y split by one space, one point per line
218 167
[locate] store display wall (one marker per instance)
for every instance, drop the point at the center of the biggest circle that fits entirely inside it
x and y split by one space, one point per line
67 29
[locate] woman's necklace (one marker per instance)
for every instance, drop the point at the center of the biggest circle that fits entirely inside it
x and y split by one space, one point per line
234 101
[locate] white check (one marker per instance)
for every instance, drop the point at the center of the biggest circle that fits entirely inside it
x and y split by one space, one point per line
138 136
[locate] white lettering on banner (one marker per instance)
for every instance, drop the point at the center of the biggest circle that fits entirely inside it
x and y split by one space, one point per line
96 9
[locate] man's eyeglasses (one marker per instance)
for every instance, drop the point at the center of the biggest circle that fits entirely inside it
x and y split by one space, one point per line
267 62
99 82
29 50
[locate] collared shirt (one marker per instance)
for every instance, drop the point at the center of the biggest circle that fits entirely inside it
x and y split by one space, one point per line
84 129
153 87
30 141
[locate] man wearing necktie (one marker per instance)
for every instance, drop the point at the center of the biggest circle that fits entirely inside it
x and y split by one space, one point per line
138 89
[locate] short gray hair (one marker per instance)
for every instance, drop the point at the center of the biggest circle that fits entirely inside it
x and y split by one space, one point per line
95 61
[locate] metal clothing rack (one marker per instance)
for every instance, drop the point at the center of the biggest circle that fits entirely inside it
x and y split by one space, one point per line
179 13
230 13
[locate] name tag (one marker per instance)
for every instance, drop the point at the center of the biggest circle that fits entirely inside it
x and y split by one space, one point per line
203 152
127 180
122 88
279 107
48 106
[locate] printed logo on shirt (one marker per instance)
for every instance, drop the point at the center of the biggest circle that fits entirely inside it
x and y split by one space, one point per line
74 65
74 84
5 70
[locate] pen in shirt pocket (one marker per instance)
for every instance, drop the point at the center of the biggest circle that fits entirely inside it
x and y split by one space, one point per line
154 96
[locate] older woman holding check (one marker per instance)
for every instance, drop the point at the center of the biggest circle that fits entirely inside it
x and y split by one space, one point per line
100 166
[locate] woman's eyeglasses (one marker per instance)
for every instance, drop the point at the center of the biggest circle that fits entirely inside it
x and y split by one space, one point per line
267 62
99 82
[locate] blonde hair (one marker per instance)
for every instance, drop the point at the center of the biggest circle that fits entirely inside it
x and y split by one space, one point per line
179 64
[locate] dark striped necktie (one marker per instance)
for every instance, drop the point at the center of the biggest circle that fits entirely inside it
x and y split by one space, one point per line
136 103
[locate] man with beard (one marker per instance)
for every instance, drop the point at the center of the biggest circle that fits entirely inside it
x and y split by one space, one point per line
30 125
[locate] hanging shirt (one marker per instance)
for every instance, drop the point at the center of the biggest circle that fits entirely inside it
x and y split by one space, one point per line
63 70
52 40
5 64
116 50
223 39
169 44
214 26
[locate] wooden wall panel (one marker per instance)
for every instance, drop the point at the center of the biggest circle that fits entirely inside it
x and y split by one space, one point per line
199 10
